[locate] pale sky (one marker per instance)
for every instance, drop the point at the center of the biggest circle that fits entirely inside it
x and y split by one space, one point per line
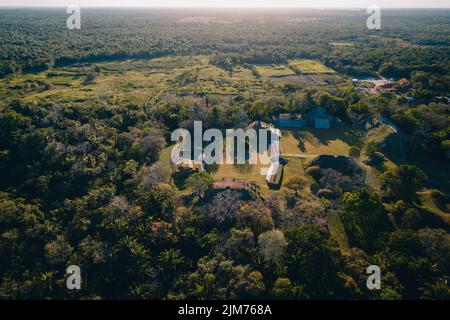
229 3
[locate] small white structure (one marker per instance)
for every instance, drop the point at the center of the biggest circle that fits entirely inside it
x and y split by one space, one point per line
274 174
275 171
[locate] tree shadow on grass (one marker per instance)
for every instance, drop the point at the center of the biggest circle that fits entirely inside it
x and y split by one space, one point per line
325 136
243 168
212 168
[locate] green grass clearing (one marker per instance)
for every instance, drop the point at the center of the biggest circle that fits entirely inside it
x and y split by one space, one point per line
293 168
337 230
275 70
307 66
429 203
312 142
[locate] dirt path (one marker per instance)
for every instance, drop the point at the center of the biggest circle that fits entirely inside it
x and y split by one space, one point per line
298 155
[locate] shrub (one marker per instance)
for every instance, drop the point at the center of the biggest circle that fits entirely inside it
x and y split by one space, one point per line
314 172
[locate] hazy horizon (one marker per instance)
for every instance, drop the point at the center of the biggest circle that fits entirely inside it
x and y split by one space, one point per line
230 3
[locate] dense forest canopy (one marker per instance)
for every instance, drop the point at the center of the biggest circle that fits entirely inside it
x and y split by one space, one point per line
86 178
33 40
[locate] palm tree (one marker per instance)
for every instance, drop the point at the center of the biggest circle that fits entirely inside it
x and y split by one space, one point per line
437 291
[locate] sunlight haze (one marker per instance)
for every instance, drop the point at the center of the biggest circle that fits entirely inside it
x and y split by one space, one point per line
229 3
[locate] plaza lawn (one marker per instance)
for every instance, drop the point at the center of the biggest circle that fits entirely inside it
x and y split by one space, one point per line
306 66
293 168
245 172
314 142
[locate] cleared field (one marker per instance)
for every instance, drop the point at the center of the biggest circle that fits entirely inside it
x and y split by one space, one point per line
398 42
306 66
83 85
149 81
342 44
305 81
242 74
277 70
314 142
